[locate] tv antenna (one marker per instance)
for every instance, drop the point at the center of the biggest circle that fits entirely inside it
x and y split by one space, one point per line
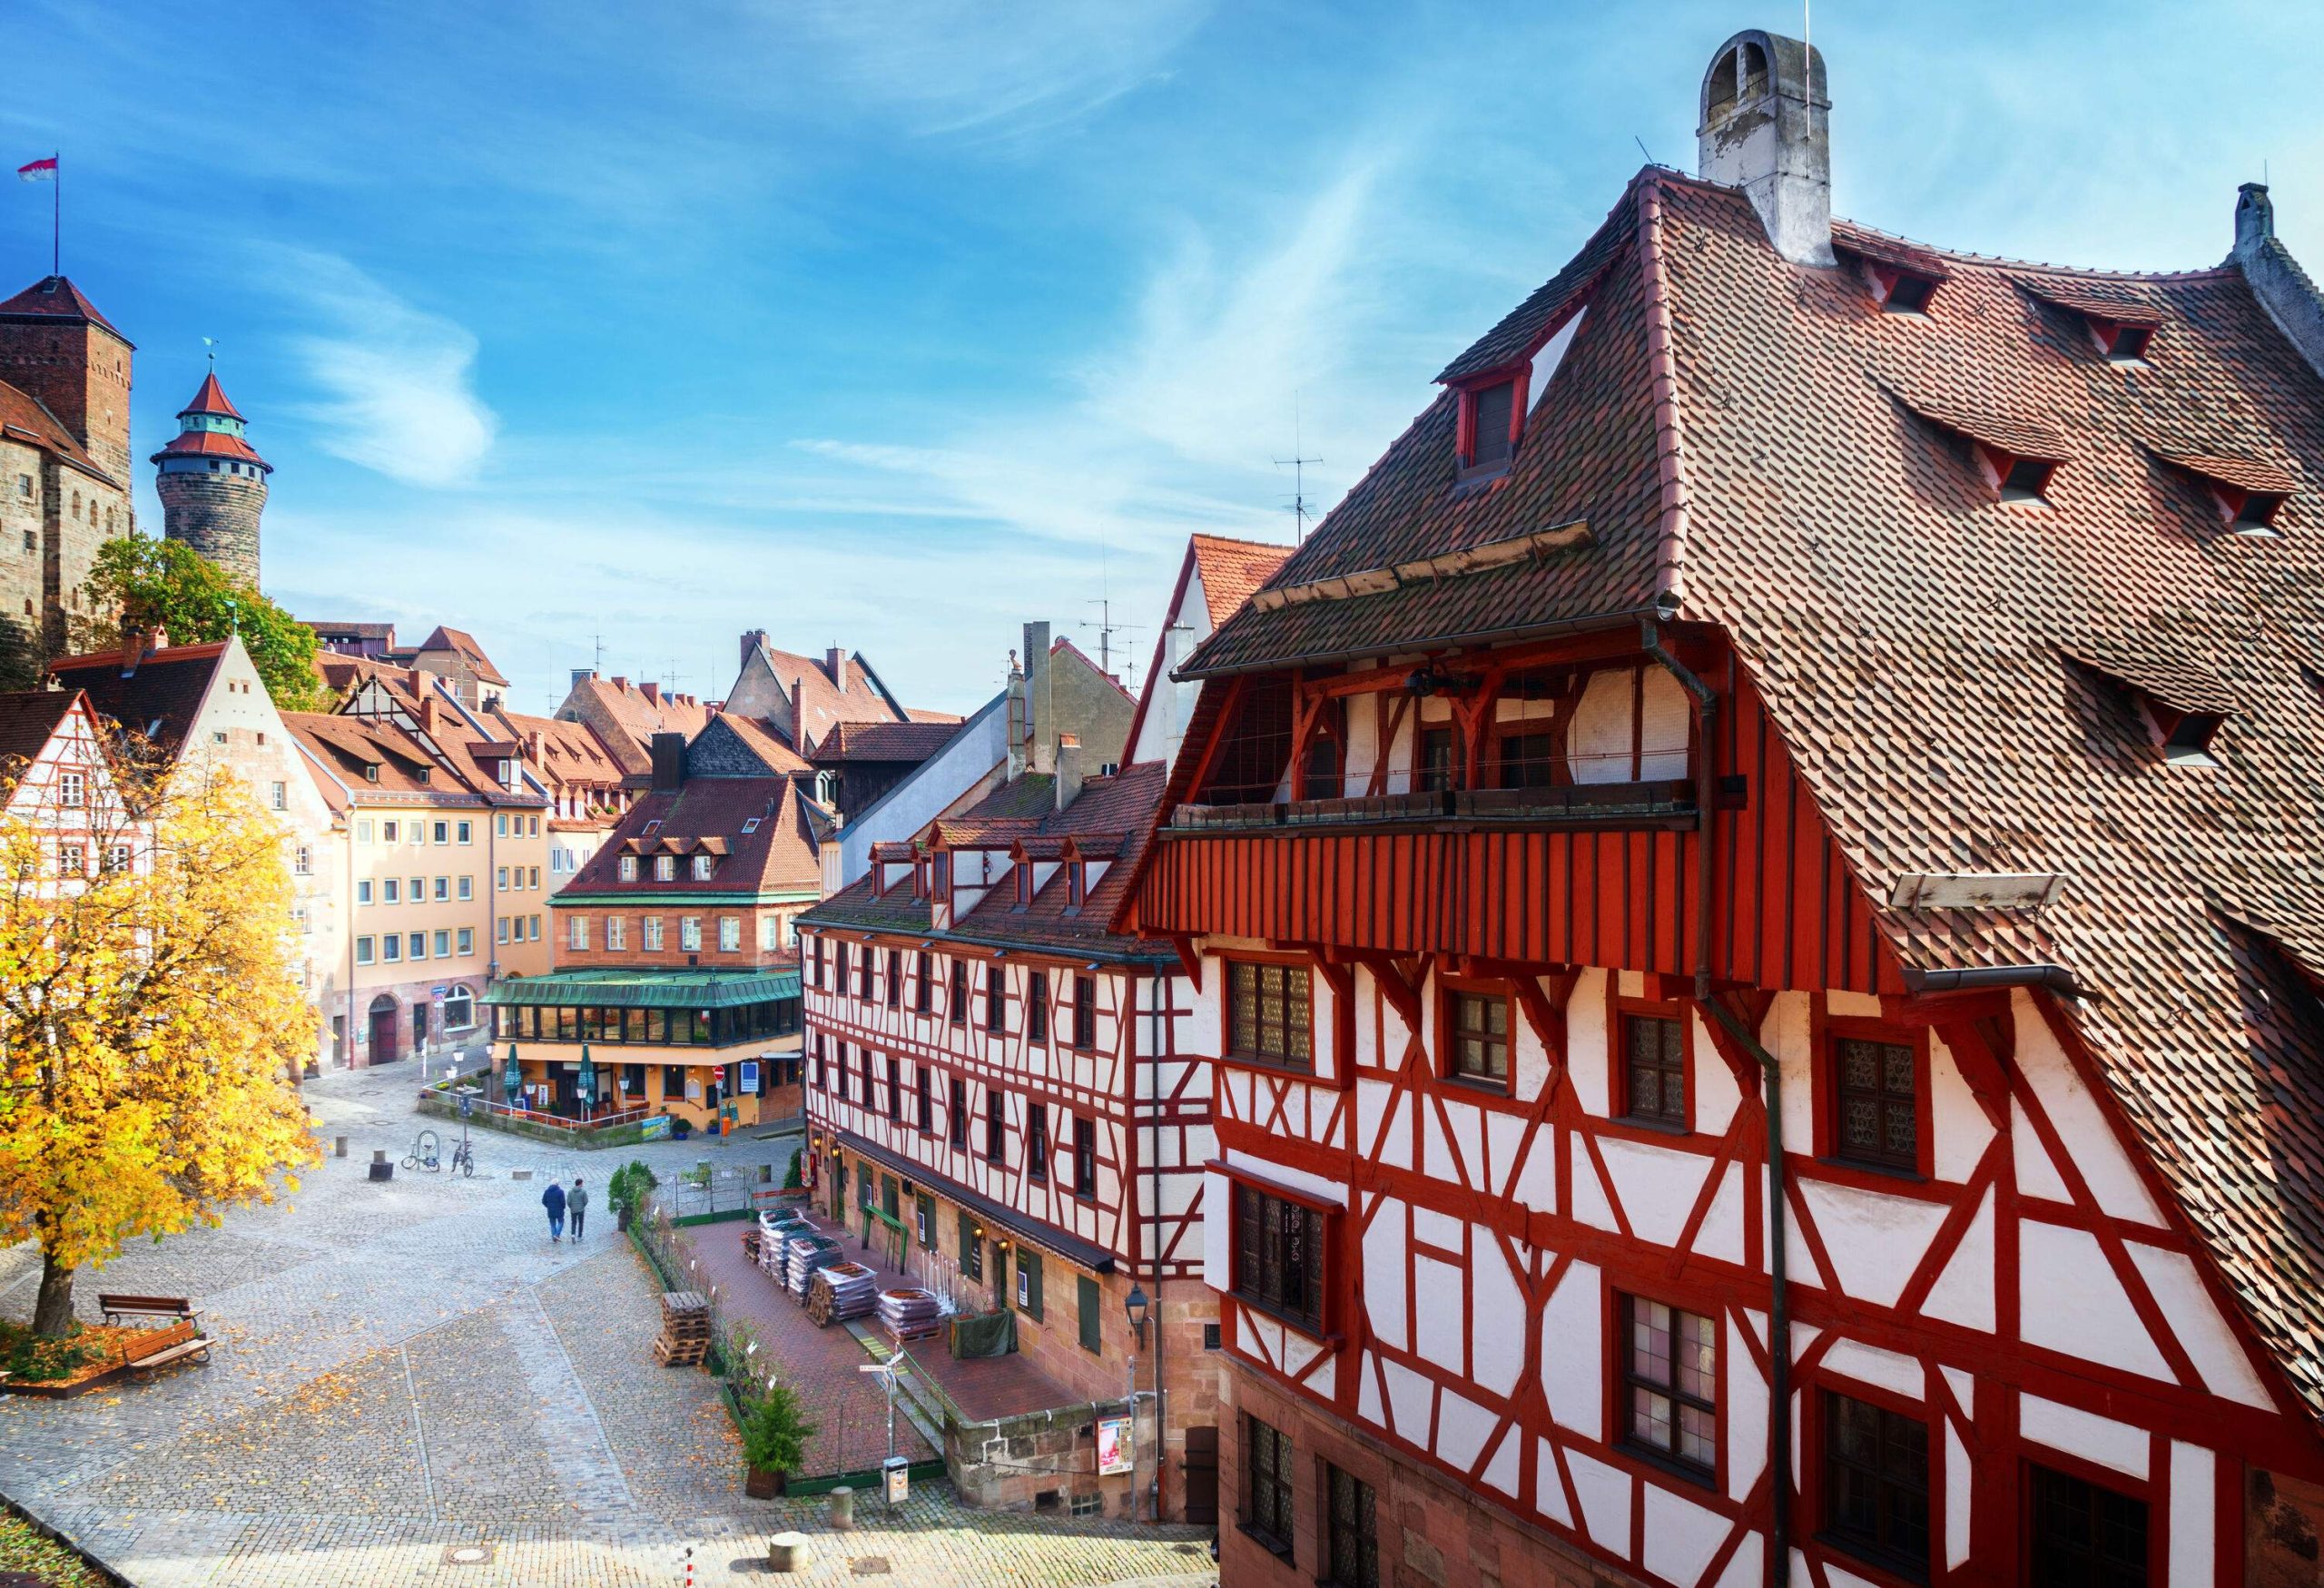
1106 628
1298 467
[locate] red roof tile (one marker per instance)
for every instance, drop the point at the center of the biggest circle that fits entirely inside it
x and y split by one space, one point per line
54 297
1232 569
157 700
212 398
890 741
24 418
1911 636
210 444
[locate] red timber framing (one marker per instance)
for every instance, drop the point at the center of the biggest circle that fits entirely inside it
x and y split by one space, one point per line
1107 1084
2013 1276
1784 911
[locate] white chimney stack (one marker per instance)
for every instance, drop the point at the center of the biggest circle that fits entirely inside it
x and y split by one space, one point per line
1765 129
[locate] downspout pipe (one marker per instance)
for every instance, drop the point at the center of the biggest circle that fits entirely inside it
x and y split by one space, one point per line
1154 1221
1779 1302
1973 978
1705 701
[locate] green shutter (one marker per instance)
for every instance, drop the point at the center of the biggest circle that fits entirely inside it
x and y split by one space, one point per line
1086 1299
1028 1282
967 1250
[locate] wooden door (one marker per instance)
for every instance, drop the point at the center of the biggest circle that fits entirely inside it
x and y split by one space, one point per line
383 1033
1201 1475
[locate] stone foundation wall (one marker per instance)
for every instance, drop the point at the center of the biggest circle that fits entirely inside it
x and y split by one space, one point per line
1044 1461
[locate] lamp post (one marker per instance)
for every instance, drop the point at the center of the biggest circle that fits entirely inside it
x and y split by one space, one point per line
1135 1304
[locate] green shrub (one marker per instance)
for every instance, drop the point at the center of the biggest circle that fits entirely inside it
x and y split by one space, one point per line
775 1431
792 1178
35 1360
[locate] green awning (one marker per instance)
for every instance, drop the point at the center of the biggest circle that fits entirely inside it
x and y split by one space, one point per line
646 989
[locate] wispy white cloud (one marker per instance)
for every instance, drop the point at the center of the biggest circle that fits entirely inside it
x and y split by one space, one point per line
395 381
970 65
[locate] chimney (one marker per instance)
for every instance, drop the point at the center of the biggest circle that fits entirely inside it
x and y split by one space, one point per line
621 683
752 640
1765 129
836 662
652 692
1040 720
137 645
1015 719
2274 278
1068 769
669 763
427 714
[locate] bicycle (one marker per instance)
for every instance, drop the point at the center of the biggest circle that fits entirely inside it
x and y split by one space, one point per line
423 1153
463 1161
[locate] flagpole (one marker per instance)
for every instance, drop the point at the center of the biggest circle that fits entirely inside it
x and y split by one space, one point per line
57 218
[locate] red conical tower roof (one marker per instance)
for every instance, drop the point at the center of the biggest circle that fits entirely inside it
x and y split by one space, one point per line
57 297
210 399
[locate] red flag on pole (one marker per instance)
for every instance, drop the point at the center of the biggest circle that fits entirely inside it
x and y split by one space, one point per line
38 170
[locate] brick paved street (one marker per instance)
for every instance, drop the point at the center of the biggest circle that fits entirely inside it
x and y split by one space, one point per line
407 1367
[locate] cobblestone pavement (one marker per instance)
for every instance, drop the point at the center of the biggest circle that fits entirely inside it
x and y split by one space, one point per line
405 1367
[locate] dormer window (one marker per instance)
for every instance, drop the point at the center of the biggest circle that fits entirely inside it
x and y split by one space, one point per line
665 868
2124 344
1489 419
2186 742
2027 479
1906 292
704 865
2248 493
629 868
2256 513
1024 884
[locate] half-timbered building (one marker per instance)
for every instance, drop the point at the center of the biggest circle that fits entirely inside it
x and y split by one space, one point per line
1758 885
1013 1099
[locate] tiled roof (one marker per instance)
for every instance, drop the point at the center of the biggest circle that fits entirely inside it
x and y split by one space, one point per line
1914 639
210 444
28 720
157 700
1231 571
462 644
1882 249
562 753
766 742
54 297
210 399
24 418
349 746
1115 813
627 717
891 741
352 630
777 856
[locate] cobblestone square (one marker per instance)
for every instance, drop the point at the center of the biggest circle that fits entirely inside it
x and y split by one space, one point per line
405 1366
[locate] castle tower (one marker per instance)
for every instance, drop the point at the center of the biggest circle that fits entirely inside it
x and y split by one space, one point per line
54 346
212 485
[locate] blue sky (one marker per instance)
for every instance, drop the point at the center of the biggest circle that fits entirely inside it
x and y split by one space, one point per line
894 325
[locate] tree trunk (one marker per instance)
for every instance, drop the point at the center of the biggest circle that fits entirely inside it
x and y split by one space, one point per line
53 1313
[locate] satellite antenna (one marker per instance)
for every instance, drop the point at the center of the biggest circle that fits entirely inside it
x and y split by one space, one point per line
1298 467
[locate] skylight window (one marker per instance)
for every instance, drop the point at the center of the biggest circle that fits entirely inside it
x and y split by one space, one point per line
750 826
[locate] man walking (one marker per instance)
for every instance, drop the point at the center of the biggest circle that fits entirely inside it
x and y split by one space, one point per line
554 1200
576 1202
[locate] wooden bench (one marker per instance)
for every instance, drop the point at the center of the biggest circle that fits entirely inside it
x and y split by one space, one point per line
198 1348
115 1307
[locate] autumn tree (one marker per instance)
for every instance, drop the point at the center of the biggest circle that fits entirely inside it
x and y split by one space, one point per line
167 585
150 1019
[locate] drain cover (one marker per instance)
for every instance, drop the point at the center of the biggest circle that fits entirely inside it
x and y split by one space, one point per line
467 1554
870 1566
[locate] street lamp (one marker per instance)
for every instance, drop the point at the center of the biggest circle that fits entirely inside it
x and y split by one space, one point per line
1135 1304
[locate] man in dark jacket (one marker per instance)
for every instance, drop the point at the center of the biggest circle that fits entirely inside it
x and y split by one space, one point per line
576 1202
554 1200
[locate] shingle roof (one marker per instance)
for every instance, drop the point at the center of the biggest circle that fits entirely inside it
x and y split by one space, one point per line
777 856
210 399
461 643
210 444
1115 815
764 740
1231 571
54 298
907 741
24 418
1914 639
157 700
28 720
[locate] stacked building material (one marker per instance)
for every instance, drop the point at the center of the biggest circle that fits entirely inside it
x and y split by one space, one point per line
910 1314
841 1291
776 1232
803 1257
685 1330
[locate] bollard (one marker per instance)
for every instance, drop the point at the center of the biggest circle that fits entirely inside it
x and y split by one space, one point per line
381 1170
787 1552
842 1508
339 1147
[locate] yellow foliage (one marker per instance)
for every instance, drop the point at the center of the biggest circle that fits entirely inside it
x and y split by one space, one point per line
150 1021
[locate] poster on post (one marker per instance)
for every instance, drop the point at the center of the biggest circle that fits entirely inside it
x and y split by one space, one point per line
1113 1445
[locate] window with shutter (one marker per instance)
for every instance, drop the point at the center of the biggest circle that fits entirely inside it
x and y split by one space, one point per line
1029 1283
1084 1301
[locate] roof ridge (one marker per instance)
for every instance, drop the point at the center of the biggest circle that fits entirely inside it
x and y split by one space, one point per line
1671 556
2002 261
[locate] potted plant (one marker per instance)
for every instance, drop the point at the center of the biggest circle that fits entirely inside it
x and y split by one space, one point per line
775 1432
627 1191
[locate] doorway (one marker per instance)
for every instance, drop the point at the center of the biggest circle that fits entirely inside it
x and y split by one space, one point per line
384 1024
1202 1476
